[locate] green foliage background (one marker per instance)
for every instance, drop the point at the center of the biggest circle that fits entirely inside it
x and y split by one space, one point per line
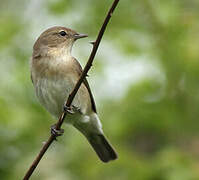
152 122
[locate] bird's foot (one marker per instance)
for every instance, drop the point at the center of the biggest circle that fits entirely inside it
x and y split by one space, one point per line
56 132
68 109
72 109
76 109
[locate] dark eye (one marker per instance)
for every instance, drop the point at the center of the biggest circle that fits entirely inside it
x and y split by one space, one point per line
62 33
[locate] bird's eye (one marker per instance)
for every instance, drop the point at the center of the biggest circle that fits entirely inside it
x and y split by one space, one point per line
62 33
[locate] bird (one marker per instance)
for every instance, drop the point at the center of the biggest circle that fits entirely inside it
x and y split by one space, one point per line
54 73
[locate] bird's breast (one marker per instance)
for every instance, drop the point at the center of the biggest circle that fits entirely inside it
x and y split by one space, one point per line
52 93
54 81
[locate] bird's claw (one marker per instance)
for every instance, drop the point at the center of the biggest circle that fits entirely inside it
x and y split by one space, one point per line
69 109
56 132
76 109
72 109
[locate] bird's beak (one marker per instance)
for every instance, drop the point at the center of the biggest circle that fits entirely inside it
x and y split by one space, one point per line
78 36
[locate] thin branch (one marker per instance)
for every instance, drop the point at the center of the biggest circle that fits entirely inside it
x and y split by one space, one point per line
73 93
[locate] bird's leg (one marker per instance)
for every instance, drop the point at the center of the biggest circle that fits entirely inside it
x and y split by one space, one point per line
68 109
76 109
72 109
56 132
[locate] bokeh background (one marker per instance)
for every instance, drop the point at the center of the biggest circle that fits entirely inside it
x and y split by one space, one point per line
145 80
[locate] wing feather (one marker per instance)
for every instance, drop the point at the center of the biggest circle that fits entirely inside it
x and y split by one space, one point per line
79 70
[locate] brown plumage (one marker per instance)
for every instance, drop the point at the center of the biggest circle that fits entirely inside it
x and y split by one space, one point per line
54 73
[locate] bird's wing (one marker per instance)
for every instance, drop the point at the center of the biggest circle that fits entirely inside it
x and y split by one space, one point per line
79 70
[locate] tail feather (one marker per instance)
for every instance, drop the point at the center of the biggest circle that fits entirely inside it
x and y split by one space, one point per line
92 130
102 147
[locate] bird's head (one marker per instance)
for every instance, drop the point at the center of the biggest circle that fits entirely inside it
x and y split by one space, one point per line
56 40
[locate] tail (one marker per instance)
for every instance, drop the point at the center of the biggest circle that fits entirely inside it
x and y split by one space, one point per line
102 147
92 130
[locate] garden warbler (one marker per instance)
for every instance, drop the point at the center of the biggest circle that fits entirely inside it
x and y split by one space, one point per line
54 73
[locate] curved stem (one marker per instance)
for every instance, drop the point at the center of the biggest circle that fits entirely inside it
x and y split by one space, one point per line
73 93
